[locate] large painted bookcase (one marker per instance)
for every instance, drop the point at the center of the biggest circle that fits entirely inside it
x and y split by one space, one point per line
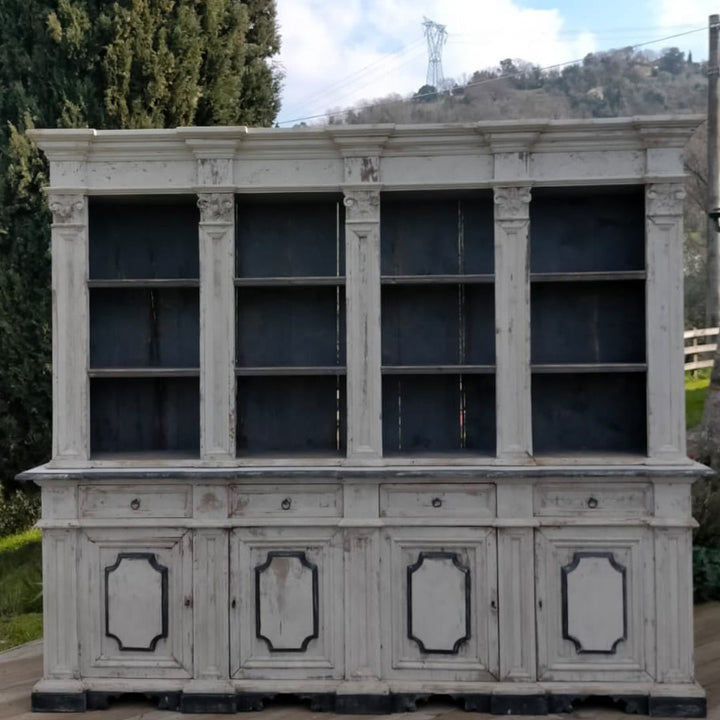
364 414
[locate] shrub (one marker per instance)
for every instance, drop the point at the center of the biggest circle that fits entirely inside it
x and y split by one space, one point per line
706 574
19 510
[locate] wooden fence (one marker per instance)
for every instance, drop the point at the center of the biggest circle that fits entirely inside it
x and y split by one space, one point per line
700 346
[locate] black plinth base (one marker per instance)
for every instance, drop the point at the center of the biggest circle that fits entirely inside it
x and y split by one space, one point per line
501 704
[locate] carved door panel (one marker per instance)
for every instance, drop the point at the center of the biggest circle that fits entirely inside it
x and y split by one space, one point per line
136 603
286 588
594 604
439 602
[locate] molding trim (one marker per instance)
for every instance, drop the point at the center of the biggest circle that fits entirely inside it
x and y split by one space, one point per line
566 570
411 569
150 557
259 570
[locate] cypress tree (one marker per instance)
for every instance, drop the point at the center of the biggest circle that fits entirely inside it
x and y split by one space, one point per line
94 63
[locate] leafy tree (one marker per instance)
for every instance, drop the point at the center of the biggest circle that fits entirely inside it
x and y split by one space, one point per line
426 94
122 64
672 61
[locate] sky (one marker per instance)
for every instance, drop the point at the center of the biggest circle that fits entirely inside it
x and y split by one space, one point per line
337 53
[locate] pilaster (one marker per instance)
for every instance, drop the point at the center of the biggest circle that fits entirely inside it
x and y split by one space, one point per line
362 298
512 318
516 558
217 325
60 608
674 604
69 237
664 261
211 668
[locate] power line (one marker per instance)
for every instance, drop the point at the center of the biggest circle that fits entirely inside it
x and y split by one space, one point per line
485 81
337 85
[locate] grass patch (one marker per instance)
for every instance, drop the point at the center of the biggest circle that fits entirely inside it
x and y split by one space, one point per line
695 391
21 583
20 629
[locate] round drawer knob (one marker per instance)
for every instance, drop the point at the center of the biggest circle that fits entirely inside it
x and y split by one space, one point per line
286 503
592 503
436 502
135 504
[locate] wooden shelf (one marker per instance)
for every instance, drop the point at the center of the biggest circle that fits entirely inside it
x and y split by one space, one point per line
146 372
291 281
577 368
589 276
437 279
144 283
291 370
438 369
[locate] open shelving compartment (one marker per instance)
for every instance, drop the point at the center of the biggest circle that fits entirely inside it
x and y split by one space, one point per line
589 368
290 290
144 326
438 323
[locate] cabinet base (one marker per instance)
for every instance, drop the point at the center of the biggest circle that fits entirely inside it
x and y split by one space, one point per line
497 703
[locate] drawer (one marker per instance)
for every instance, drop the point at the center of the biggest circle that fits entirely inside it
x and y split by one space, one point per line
123 501
285 501
438 501
587 499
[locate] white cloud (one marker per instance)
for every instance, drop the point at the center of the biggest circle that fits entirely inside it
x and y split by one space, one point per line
339 53
673 13
678 16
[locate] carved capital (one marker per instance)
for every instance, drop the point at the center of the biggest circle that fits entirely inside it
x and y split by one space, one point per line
513 203
67 209
216 207
665 199
362 206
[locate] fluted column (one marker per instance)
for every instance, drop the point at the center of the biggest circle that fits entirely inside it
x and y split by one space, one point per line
512 323
217 325
71 433
362 297
665 384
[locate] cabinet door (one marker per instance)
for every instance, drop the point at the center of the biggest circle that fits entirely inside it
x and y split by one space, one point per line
595 609
286 600
136 603
439 602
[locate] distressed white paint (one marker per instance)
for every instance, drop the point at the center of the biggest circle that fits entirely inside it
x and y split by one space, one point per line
634 658
595 604
438 501
364 519
362 302
210 609
362 603
437 609
664 253
673 583
71 435
516 602
285 603
477 658
60 563
250 656
512 323
139 501
586 499
134 602
217 326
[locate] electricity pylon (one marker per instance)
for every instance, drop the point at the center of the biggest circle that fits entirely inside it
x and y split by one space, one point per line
436 37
